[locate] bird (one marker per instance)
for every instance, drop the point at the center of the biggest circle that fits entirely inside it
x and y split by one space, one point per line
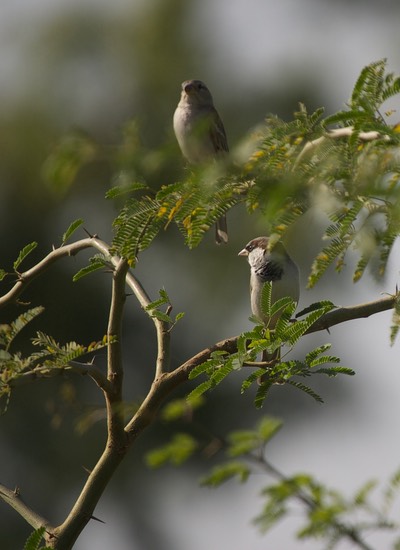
275 265
200 133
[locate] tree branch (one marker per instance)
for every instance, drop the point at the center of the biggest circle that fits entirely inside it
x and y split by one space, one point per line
359 311
14 499
167 382
115 372
345 530
75 367
338 133
330 319
25 278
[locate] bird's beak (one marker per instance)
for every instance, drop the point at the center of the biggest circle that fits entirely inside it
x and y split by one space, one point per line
243 252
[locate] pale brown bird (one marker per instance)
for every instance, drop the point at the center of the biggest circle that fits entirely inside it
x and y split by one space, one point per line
200 133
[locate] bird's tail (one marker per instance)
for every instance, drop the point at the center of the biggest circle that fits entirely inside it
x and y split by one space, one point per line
221 231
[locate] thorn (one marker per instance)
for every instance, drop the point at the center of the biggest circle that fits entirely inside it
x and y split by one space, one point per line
89 234
97 519
87 470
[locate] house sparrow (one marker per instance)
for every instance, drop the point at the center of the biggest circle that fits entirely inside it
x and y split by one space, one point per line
200 133
275 266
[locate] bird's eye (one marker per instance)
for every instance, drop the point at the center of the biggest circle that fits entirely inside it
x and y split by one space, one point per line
250 247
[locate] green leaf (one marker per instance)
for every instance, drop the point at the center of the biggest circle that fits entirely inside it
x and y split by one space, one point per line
327 305
71 229
306 390
95 264
299 328
367 90
394 329
24 253
161 316
181 408
136 226
362 495
126 188
268 427
200 390
177 451
251 379
225 472
262 394
266 296
9 332
164 299
242 442
35 539
392 490
62 166
312 355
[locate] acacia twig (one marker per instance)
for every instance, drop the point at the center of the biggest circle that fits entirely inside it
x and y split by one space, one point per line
337 133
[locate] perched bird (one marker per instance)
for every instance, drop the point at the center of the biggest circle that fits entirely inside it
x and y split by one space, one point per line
275 266
200 133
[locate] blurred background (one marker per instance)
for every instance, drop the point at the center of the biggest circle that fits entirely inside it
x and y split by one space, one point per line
94 65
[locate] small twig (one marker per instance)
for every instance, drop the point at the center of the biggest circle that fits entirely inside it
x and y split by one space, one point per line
349 313
338 133
115 371
75 367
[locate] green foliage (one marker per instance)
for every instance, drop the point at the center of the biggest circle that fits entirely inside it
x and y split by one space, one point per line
194 206
71 230
225 472
310 163
243 442
261 339
61 167
23 254
154 311
328 515
53 355
302 165
98 261
9 332
346 165
136 226
50 357
395 321
246 444
178 450
35 539
181 408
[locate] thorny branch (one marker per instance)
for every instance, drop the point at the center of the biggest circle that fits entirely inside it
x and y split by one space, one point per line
121 437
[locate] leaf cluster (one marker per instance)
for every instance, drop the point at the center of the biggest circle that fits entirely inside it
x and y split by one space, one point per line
327 514
35 539
49 358
346 165
279 371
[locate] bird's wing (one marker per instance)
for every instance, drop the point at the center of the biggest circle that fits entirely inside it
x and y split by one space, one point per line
217 134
